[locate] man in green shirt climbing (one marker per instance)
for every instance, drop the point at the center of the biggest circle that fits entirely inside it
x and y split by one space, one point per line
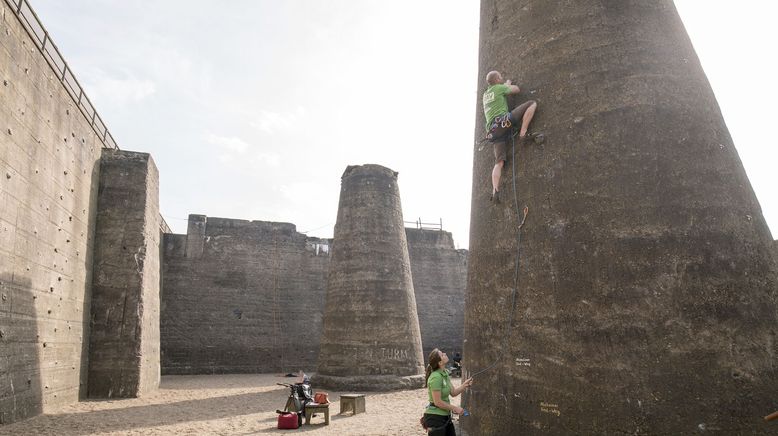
499 121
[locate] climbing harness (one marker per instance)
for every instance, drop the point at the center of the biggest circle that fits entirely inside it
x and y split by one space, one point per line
537 137
525 211
499 122
490 135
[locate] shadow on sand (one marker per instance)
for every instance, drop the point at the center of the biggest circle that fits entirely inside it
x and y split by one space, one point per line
151 415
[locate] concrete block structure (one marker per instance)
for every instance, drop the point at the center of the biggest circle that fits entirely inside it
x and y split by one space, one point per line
242 297
124 340
439 282
645 300
370 335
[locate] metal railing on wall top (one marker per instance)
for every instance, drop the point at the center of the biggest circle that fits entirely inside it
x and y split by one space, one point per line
426 226
40 36
32 24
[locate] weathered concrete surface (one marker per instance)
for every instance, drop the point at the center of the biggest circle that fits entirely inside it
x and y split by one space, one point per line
439 281
124 340
242 297
370 338
222 313
775 254
48 190
645 301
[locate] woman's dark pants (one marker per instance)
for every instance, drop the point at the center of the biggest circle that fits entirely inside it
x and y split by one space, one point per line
438 422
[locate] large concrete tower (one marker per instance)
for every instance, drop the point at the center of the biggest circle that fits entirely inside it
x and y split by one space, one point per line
645 302
370 338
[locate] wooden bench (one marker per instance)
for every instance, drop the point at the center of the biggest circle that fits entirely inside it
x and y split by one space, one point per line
312 408
352 402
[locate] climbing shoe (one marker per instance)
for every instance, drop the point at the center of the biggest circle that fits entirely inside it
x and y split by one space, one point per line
495 197
537 137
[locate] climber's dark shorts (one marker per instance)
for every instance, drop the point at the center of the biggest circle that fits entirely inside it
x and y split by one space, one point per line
500 132
500 150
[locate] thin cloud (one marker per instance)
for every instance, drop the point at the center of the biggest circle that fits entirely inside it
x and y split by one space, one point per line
118 91
232 144
232 148
267 159
272 122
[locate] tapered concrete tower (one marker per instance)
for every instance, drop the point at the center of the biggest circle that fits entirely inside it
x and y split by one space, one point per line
645 301
371 338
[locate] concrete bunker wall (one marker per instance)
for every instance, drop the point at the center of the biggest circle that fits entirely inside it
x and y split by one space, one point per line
439 279
49 158
248 296
644 300
241 297
50 162
775 254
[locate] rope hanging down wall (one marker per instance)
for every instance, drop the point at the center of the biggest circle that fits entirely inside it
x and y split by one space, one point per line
524 213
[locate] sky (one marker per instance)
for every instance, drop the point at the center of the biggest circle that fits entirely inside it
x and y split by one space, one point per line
252 109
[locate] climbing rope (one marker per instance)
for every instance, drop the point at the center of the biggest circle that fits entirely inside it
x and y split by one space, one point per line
524 212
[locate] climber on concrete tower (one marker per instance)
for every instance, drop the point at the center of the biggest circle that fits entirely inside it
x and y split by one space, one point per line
499 121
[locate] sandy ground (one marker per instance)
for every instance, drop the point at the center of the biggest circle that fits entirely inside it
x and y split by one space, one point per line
224 404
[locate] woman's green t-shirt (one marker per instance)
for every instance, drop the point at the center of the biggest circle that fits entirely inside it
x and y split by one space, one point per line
438 381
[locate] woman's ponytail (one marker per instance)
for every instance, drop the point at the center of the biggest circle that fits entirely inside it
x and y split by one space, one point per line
433 362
